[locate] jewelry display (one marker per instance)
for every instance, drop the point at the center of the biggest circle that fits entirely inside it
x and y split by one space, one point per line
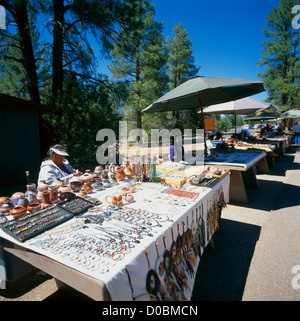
76 205
106 231
28 226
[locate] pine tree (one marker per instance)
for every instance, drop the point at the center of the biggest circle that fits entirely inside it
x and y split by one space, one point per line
181 67
138 60
181 61
280 57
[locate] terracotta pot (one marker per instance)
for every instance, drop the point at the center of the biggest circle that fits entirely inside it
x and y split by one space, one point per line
3 199
18 211
34 207
75 184
53 194
120 175
46 196
88 187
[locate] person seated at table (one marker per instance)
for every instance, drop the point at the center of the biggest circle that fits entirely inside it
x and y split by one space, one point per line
246 135
209 140
176 150
296 132
55 167
218 136
268 128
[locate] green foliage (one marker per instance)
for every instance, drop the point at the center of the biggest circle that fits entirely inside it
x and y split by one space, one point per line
280 57
138 60
80 114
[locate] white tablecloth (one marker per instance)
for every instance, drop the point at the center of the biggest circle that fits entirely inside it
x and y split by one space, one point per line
149 197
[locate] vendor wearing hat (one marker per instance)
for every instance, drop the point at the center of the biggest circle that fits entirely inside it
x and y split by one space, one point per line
55 167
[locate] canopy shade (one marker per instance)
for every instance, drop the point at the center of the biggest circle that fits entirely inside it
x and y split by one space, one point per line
294 113
263 115
205 91
242 106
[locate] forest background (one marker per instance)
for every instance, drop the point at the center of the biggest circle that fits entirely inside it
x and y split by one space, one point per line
60 69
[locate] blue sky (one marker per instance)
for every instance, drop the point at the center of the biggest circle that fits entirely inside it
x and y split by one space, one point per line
227 35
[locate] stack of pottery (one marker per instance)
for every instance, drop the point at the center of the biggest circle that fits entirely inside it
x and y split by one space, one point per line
40 190
112 174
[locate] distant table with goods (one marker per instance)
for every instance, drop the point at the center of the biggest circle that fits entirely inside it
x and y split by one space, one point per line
134 240
241 166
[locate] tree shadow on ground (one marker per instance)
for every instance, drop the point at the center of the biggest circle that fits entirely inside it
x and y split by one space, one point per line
222 272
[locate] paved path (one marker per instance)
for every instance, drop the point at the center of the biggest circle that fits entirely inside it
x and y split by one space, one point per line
257 245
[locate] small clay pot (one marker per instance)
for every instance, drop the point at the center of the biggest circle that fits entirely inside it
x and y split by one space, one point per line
18 211
32 207
16 196
6 207
3 199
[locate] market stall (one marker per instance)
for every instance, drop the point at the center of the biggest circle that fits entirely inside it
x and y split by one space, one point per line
129 240
268 148
241 165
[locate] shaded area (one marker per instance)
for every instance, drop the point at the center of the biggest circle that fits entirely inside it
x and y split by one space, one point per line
222 272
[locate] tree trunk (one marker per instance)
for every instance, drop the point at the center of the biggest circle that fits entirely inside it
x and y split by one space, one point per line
21 17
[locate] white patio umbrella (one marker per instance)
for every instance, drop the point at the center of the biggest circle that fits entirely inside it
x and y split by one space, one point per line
293 113
242 106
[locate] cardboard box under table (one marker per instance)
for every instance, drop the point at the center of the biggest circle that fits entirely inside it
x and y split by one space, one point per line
71 252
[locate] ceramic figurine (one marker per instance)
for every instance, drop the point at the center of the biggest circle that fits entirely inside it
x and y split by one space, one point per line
83 193
88 187
120 175
128 171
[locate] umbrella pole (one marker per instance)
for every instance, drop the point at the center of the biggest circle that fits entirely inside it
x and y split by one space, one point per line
202 117
235 124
